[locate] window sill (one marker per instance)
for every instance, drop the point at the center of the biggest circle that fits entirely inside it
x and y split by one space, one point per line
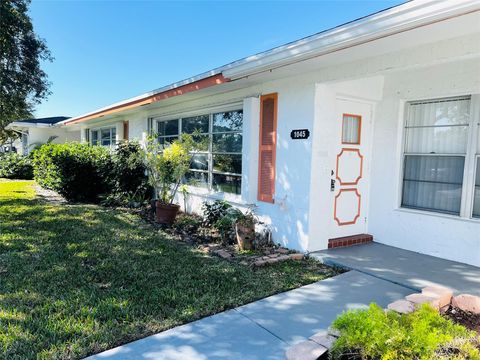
438 215
202 192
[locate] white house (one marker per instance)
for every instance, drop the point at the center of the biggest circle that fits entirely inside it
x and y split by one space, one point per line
371 127
35 132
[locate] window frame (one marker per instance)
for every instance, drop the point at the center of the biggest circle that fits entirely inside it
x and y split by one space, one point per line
155 120
473 143
113 142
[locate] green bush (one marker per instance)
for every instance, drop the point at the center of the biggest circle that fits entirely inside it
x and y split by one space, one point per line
214 211
424 334
128 178
15 166
79 172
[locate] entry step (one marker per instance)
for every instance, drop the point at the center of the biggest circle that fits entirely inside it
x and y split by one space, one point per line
345 241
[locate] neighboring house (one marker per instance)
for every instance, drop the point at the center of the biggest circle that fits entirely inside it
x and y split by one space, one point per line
35 132
370 127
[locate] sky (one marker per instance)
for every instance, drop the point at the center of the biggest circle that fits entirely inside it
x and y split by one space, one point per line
108 51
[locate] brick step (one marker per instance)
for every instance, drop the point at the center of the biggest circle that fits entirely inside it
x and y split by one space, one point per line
345 241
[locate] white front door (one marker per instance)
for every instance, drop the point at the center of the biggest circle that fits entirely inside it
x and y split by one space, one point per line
350 168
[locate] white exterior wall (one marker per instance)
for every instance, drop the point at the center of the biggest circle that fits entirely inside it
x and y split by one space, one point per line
39 136
302 212
289 215
440 235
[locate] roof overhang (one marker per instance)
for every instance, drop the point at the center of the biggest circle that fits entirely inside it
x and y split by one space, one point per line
396 20
26 125
197 83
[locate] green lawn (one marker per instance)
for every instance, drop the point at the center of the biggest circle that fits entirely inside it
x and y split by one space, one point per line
79 279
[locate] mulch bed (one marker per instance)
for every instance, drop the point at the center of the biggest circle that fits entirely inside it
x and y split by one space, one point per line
469 320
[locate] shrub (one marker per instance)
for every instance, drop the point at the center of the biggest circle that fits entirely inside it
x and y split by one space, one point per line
212 212
15 166
167 167
186 223
127 177
423 334
79 172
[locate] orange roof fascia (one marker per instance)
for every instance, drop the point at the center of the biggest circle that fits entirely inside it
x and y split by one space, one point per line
181 90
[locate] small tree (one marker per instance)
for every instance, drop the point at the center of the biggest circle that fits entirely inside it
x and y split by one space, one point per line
167 167
23 82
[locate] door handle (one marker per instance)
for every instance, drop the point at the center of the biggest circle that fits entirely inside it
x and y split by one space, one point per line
332 184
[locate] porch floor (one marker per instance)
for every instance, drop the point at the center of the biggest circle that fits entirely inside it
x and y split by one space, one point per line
403 267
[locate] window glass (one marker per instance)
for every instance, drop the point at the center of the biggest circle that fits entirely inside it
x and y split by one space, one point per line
94 137
166 128
436 135
217 161
227 142
195 124
227 163
351 129
197 179
228 121
199 162
104 137
433 183
227 183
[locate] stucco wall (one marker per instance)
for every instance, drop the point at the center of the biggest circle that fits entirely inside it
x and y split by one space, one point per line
38 136
439 235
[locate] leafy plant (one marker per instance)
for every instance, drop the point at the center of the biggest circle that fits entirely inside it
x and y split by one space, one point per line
377 334
15 166
79 172
128 181
214 211
167 167
187 223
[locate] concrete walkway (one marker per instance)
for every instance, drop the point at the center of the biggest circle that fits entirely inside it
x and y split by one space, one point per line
407 268
266 328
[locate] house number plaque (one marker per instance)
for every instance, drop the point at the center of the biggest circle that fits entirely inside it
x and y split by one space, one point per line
300 134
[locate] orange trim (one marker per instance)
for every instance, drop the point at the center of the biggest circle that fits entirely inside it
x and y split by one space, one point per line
359 132
340 223
272 148
361 166
125 130
181 90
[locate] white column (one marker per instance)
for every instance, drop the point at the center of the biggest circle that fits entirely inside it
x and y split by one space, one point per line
251 123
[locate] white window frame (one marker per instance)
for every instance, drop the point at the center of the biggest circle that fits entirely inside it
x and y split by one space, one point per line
473 139
210 112
113 141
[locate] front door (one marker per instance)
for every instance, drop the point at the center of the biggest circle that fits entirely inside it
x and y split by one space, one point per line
350 168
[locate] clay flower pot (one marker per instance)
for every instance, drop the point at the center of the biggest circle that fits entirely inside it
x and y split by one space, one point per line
166 213
245 235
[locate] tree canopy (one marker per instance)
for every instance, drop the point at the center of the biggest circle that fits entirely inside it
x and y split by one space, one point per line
23 83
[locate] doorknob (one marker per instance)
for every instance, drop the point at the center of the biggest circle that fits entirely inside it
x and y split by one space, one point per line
332 185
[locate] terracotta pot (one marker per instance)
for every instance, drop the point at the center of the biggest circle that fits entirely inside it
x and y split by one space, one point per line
166 213
245 236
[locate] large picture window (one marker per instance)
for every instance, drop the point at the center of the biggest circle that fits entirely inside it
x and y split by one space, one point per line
436 137
217 165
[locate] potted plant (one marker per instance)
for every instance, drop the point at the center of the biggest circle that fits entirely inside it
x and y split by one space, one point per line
166 170
245 230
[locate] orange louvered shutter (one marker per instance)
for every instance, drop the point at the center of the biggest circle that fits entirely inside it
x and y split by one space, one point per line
125 130
267 147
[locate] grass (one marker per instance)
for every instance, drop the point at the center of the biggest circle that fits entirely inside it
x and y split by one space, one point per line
79 279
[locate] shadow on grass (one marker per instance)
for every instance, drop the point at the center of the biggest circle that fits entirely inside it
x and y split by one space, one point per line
79 279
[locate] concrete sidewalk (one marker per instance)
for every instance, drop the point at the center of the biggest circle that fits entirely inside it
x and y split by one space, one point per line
407 268
266 328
